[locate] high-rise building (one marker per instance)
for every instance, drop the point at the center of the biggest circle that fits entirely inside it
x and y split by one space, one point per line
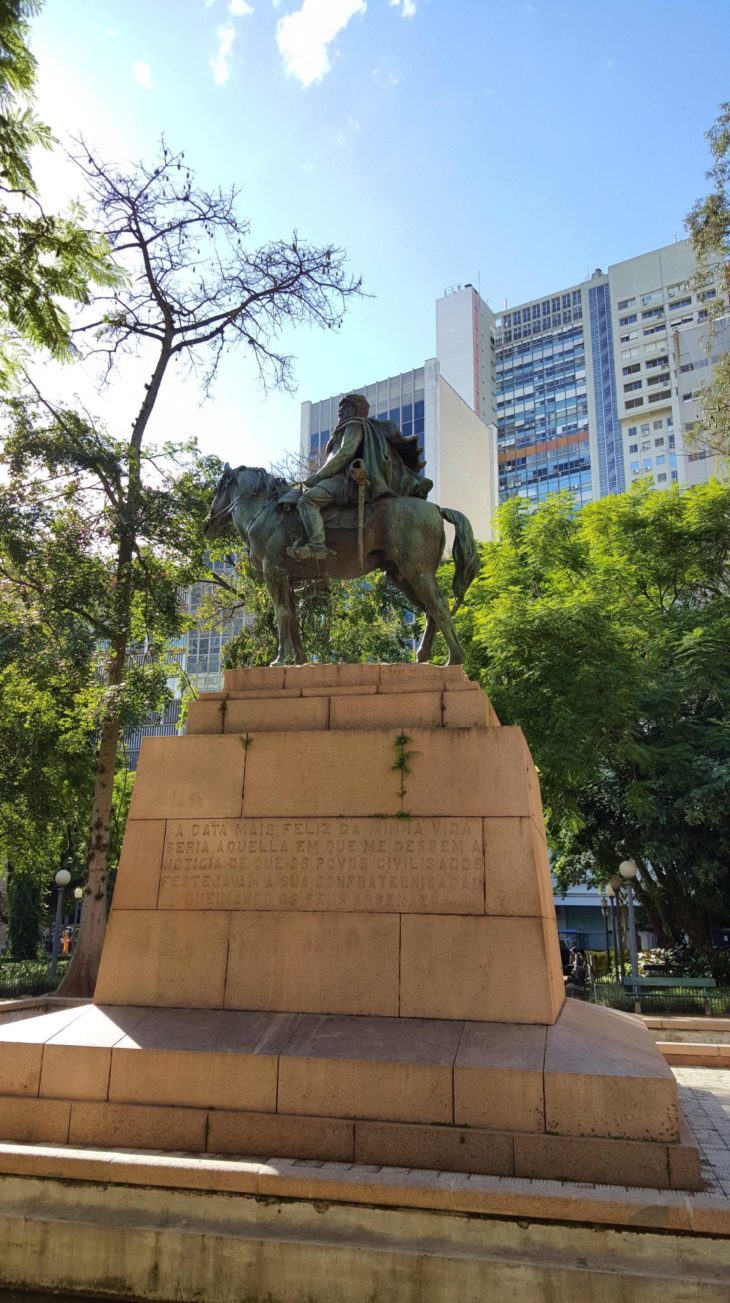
589 384
458 447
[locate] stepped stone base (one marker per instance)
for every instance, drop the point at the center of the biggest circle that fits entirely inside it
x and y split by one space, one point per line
333 937
587 1099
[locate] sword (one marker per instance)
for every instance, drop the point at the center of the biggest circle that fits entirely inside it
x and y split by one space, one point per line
359 474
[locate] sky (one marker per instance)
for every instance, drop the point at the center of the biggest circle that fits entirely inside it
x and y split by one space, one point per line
513 145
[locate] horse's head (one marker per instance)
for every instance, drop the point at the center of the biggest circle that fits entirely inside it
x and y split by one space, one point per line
220 508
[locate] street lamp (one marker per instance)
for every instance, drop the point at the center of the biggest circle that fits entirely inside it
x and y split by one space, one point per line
78 897
611 894
628 871
63 877
604 911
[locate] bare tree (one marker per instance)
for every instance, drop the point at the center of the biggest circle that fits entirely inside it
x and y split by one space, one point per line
192 288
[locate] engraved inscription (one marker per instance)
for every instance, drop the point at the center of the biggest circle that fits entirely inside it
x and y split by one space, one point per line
370 864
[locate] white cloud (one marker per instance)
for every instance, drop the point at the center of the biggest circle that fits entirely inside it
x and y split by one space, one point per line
407 7
303 37
220 62
239 8
142 74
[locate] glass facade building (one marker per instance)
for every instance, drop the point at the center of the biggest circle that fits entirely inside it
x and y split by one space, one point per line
542 402
399 398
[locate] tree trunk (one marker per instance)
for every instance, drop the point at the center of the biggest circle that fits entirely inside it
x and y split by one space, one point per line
80 979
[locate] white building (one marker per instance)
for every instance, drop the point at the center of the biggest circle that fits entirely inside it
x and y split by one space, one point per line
459 449
590 386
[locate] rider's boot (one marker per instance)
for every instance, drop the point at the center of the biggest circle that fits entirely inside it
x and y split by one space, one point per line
315 548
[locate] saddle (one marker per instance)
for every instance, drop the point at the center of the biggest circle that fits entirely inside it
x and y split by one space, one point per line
344 515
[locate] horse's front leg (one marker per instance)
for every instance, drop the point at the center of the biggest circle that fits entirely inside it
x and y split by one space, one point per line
290 650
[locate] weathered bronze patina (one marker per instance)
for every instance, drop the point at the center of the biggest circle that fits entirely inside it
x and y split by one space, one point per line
372 499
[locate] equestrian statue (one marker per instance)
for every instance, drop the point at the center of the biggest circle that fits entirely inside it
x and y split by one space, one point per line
364 509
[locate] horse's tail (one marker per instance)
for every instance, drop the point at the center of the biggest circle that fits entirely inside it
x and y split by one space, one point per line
466 556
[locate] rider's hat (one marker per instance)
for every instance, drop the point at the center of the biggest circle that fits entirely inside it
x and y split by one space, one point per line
359 402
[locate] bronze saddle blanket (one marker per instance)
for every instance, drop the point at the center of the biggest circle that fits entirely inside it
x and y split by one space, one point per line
344 515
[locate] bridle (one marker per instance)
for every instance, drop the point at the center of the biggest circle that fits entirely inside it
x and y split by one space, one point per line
261 483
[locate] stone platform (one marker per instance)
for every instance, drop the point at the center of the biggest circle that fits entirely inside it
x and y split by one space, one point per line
333 937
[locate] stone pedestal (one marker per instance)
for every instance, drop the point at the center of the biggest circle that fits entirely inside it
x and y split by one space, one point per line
333 937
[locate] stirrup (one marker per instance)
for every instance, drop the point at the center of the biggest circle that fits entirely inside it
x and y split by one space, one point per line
310 552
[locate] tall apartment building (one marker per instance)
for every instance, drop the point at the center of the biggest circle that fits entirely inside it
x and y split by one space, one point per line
592 384
458 446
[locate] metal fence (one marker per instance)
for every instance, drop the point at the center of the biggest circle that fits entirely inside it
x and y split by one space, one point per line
27 978
714 1003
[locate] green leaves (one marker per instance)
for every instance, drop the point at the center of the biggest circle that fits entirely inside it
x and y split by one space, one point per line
605 633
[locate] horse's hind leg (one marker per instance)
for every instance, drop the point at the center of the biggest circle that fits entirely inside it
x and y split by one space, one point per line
438 617
290 650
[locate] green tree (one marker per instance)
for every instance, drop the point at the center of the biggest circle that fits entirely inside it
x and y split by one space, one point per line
25 913
709 228
605 633
108 528
45 258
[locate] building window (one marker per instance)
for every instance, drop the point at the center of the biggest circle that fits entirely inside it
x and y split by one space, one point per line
633 447
655 296
674 475
661 478
635 402
627 321
630 370
659 380
657 361
626 303
634 468
651 312
633 384
661 460
658 398
659 443
658 424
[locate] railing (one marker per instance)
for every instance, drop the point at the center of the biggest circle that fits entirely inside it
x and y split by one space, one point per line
678 998
28 977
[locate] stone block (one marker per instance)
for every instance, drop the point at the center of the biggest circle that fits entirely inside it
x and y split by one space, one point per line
75 1072
34 1121
481 772
517 874
99 1028
484 969
421 678
335 676
498 1081
34 1028
684 1160
387 1068
467 710
605 1076
276 715
387 710
187 776
326 774
138 875
555 978
602 1161
352 690
171 958
206 716
364 1089
469 771
313 962
193 1079
135 1126
20 1068
450 1149
274 1135
255 679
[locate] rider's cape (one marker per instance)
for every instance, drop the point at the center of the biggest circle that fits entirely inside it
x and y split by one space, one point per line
392 461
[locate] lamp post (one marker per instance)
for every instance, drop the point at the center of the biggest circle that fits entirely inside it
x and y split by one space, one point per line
604 911
63 877
611 894
628 871
78 897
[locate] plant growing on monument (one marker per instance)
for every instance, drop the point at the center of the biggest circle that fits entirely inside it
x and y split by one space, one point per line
605 633
189 288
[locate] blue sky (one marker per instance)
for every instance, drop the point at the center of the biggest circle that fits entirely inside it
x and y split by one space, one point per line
515 145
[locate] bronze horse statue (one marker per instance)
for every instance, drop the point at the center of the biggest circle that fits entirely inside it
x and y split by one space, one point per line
404 536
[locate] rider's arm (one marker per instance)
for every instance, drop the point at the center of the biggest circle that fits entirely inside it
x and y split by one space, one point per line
341 459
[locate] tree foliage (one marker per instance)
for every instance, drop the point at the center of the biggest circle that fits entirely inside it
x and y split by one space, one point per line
45 258
605 633
709 227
